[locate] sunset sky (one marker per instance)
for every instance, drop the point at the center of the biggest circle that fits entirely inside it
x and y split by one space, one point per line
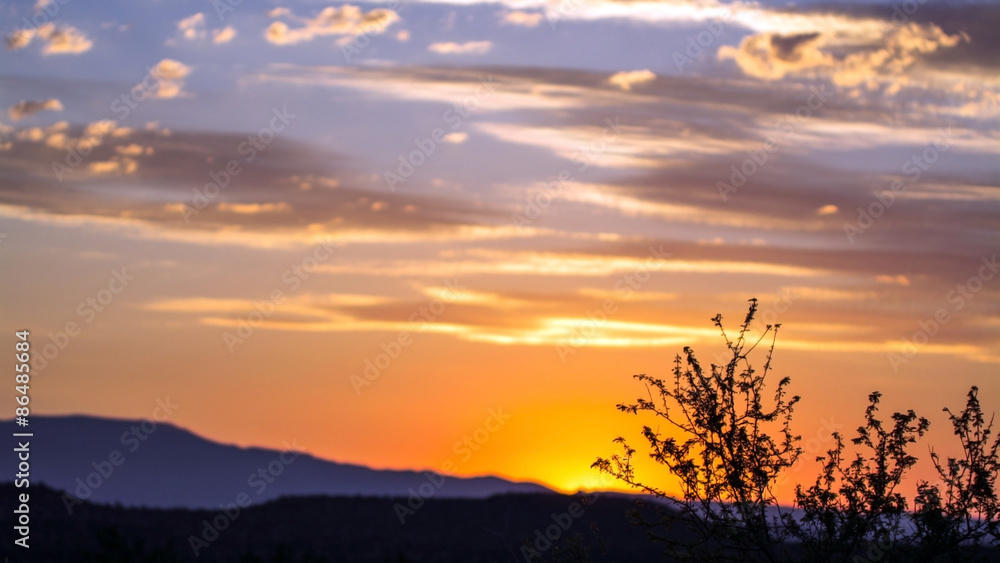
363 226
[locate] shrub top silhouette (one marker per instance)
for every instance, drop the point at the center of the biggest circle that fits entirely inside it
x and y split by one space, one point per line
736 439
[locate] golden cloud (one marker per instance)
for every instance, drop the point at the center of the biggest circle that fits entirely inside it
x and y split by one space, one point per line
25 108
58 40
19 39
192 27
348 20
57 136
133 150
523 19
170 75
625 80
119 165
253 208
64 40
903 49
771 56
224 35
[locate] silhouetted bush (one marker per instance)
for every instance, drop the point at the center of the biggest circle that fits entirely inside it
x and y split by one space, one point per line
737 440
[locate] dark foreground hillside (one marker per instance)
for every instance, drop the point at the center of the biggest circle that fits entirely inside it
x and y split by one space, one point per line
329 529
504 528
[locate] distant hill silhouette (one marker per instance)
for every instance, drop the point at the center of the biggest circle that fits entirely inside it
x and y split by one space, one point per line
174 468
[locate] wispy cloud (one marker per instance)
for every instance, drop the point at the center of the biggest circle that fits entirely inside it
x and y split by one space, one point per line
626 79
468 48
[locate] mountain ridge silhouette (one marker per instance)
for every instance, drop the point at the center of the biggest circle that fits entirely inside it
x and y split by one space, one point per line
161 465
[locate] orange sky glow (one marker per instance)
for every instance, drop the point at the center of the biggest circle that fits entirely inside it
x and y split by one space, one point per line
457 245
